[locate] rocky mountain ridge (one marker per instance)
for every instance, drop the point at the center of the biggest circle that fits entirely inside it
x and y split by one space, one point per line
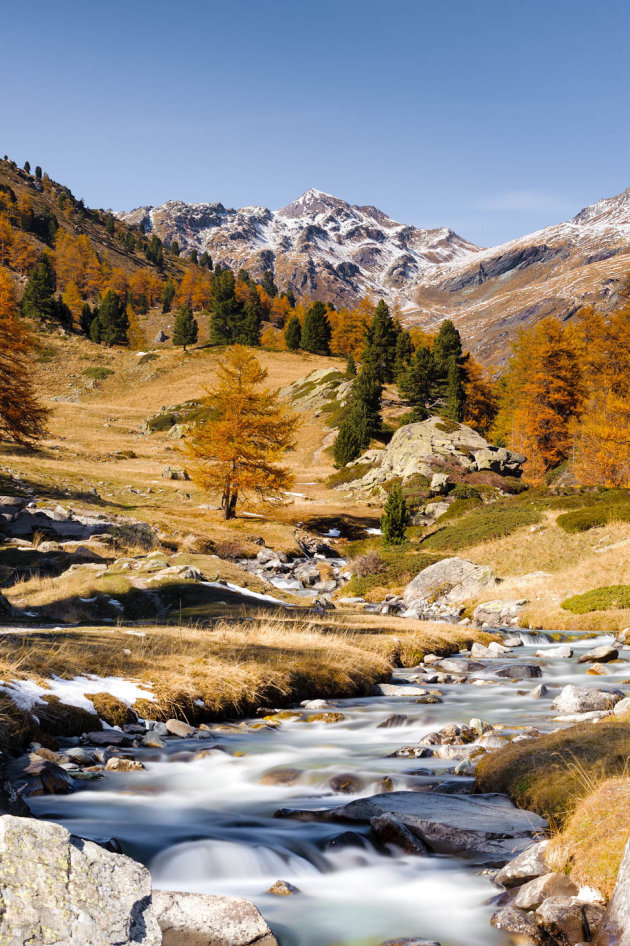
323 247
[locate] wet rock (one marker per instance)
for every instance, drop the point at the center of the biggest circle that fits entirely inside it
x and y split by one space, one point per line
398 689
600 655
391 830
152 741
346 839
540 692
519 672
574 699
562 650
280 776
527 866
109 737
396 719
478 826
493 740
282 888
315 704
615 927
410 941
80 755
516 921
176 727
346 784
196 919
312 545
532 894
120 764
623 706
44 777
562 918
411 752
430 698
63 890
460 665
327 718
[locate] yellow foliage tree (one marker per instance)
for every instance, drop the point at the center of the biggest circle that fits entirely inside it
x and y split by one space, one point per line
22 417
236 452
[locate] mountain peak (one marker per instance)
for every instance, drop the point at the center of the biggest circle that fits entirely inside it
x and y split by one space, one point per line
312 201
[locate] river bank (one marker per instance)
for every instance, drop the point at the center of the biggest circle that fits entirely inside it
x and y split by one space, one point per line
200 813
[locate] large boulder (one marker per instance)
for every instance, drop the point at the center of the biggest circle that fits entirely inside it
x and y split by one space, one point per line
317 389
502 612
449 582
574 699
422 448
196 919
62 890
483 827
615 928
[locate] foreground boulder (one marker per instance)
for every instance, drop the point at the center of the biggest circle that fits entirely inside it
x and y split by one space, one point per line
615 928
447 583
195 919
574 699
64 891
483 827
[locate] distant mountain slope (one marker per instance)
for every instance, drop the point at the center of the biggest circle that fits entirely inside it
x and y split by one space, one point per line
553 271
318 245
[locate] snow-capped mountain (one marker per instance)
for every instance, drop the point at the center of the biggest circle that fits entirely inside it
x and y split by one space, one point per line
319 245
322 247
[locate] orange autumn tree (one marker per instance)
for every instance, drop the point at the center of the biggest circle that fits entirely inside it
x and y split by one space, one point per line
22 417
602 436
541 396
236 451
481 396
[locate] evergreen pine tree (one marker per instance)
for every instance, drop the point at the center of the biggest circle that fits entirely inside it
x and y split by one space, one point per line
38 301
394 518
112 320
447 347
95 330
205 260
316 331
454 394
185 329
346 446
168 295
404 353
249 330
224 306
419 383
38 173
109 224
365 404
293 333
268 284
351 367
194 258
290 298
380 344
175 248
27 167
86 318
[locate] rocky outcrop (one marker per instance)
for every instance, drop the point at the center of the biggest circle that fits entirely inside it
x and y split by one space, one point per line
615 927
440 590
318 388
422 448
62 890
194 919
501 612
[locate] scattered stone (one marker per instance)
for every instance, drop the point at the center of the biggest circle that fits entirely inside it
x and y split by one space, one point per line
153 741
109 737
527 866
120 764
396 719
562 650
398 689
600 655
197 919
515 921
562 918
519 672
346 784
282 888
174 473
45 778
540 692
623 706
176 727
532 894
501 612
280 776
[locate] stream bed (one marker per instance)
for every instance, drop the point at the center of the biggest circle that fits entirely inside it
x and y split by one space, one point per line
208 825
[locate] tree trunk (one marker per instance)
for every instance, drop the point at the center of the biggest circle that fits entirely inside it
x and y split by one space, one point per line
232 504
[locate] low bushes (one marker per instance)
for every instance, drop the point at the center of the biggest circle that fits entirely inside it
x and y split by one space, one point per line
608 598
98 373
481 525
592 517
399 565
348 474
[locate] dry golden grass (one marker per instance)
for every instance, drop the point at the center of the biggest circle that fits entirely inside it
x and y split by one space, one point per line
235 667
552 773
592 844
574 565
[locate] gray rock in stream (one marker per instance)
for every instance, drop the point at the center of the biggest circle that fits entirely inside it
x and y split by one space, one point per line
483 827
64 891
574 699
196 919
529 865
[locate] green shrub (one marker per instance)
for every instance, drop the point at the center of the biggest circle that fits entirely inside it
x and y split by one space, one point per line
348 474
463 491
401 563
98 372
481 525
608 598
394 518
581 520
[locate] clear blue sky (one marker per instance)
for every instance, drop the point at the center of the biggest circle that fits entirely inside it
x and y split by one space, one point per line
494 117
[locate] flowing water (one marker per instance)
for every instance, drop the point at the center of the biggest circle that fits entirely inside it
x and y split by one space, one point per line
207 825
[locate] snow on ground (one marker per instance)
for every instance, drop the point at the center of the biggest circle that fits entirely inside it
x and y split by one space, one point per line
246 592
27 694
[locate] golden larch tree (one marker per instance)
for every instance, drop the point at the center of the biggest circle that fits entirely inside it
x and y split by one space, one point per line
236 451
22 417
